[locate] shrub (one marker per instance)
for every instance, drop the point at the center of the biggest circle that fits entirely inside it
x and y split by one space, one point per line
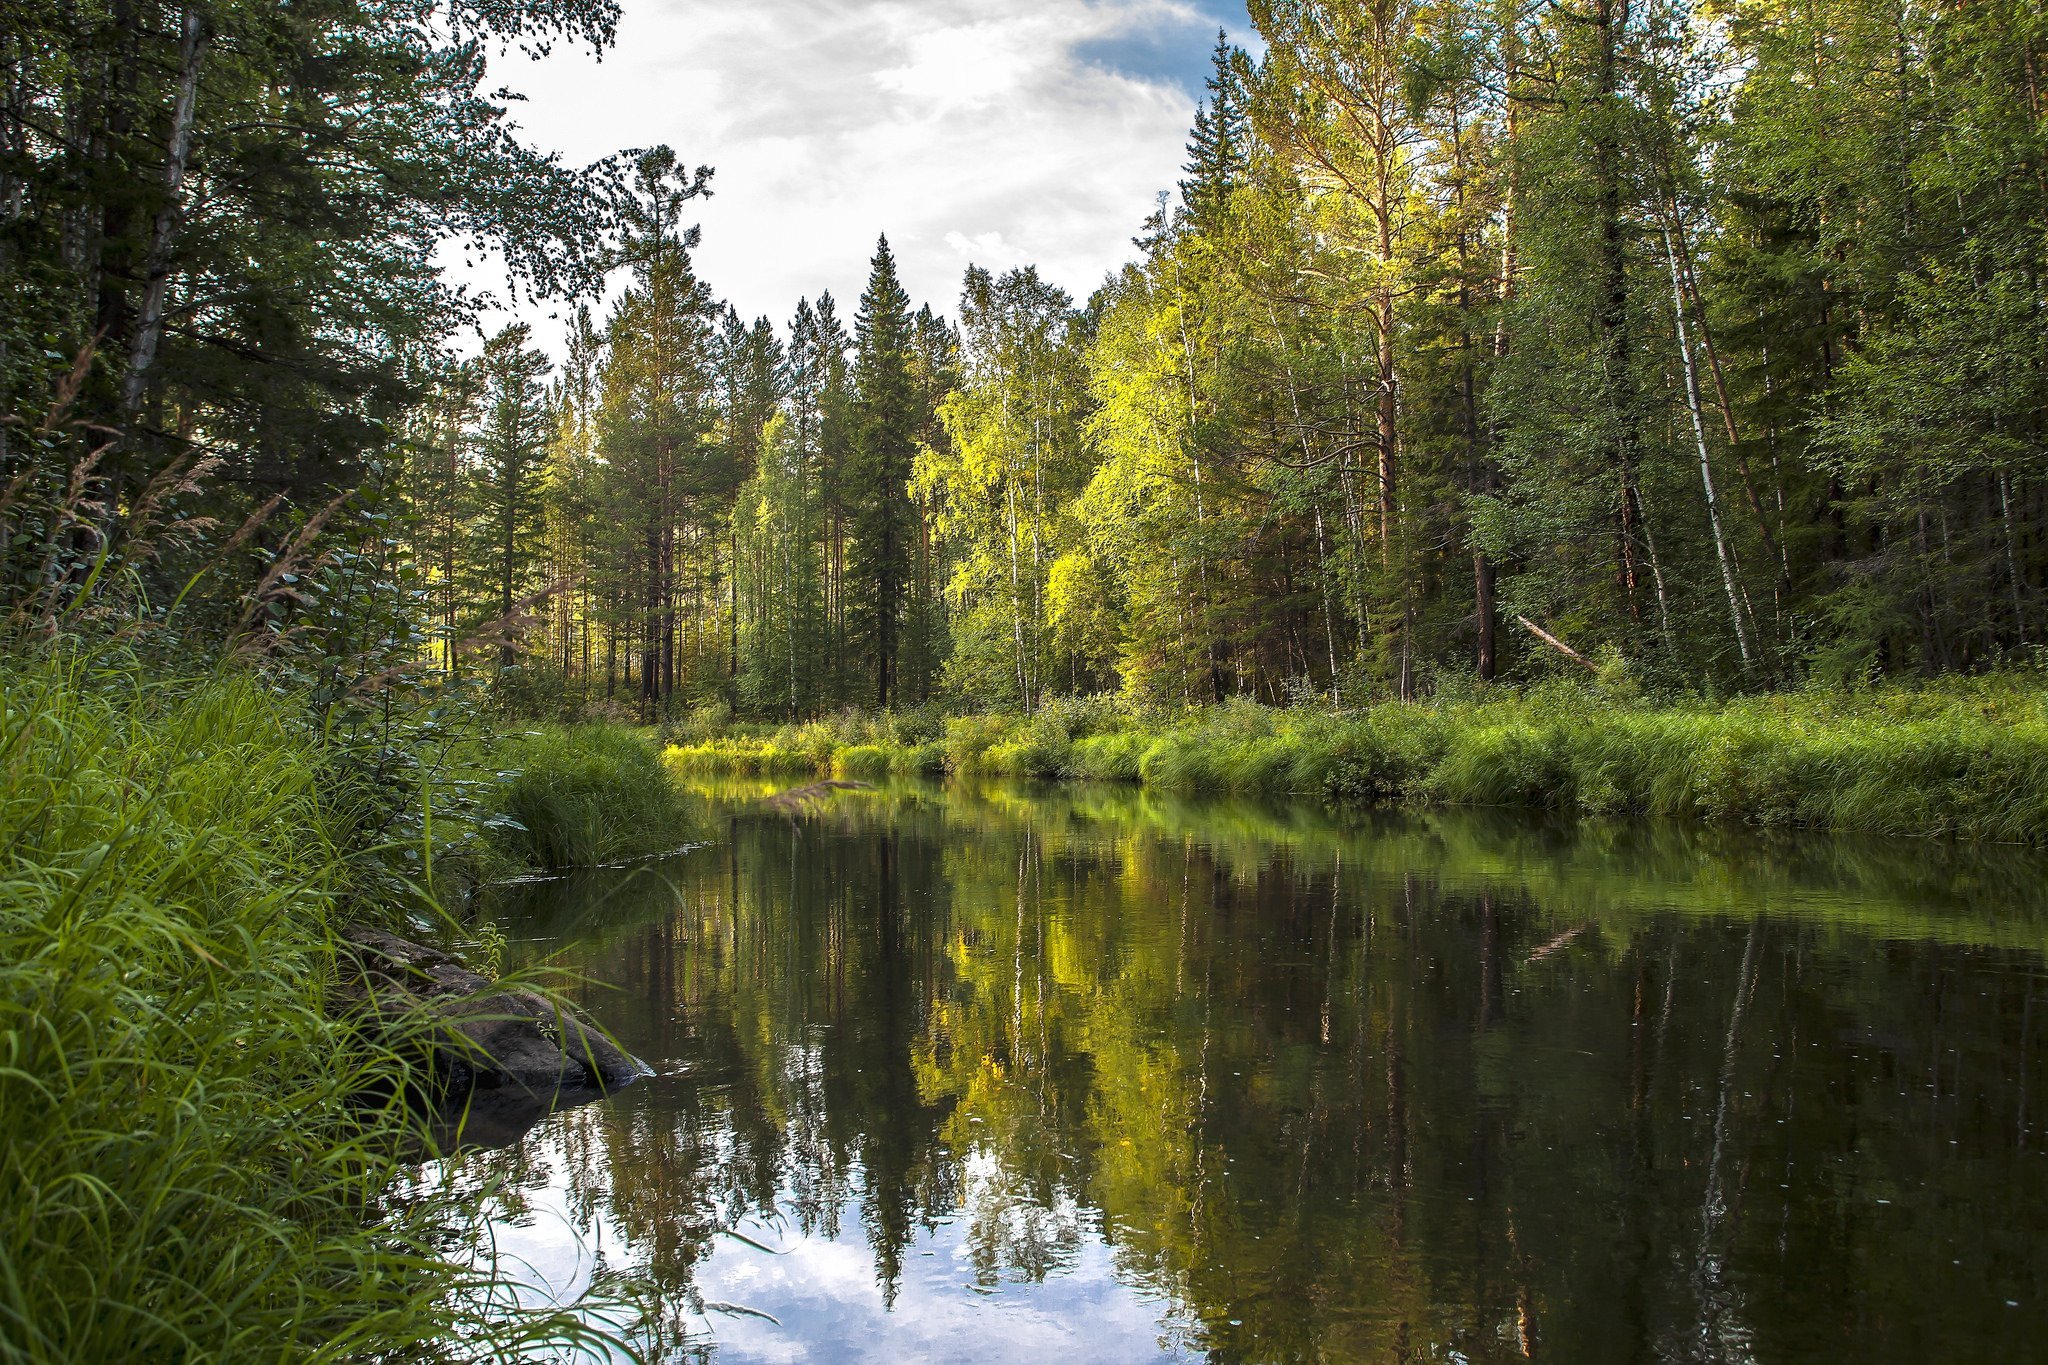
968 738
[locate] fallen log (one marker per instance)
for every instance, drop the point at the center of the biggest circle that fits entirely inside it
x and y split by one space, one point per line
1560 646
797 798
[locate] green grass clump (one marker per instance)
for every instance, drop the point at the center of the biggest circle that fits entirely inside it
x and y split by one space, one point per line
193 1163
861 761
744 758
918 760
1111 758
585 795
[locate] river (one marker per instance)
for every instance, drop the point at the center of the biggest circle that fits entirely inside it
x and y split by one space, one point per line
1093 1074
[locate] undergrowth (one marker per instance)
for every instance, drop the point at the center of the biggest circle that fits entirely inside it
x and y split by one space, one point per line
1965 758
194 1161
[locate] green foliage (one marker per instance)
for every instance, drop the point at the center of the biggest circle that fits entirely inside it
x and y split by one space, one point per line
1965 759
200 1163
583 796
1013 458
236 211
1482 344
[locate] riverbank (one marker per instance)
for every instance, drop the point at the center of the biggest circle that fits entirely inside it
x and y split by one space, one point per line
1965 759
202 1160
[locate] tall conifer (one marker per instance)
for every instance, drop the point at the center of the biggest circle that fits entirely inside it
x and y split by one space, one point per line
885 439
1219 144
512 449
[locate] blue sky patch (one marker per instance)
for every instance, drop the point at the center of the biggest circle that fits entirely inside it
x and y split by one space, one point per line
1174 53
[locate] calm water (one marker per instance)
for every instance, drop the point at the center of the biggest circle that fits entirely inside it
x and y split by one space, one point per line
1007 1075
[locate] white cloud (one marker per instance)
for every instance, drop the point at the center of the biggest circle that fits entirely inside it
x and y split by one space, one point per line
968 130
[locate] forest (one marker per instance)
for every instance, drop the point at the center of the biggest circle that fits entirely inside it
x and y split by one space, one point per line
1612 406
1480 341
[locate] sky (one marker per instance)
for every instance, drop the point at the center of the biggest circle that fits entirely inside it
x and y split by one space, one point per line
990 132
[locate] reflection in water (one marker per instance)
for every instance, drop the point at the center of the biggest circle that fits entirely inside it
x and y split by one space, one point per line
992 1075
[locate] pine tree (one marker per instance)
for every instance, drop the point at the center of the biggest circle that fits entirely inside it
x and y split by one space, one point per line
658 406
836 424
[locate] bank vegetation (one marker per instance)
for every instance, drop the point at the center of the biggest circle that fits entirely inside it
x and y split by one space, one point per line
1968 758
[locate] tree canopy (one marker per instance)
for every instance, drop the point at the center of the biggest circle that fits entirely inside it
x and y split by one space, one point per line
1481 341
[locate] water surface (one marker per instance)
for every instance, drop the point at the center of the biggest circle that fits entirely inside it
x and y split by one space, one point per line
1097 1075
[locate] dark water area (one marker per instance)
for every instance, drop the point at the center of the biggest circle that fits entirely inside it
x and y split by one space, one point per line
1097 1075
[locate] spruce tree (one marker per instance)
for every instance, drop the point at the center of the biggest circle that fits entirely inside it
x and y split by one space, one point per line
512 447
884 440
1219 144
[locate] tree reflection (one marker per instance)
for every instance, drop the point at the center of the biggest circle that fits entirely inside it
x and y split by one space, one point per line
1413 1089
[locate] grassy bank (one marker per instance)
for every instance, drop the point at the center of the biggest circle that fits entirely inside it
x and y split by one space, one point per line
581 796
189 1165
1968 758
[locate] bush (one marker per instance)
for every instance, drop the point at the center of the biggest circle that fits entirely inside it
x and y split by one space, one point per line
969 738
704 723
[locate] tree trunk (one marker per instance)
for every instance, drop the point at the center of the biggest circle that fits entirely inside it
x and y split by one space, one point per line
1723 552
1617 358
149 323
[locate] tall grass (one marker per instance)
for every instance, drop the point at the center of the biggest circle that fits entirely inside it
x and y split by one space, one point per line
1966 758
584 796
845 745
193 1165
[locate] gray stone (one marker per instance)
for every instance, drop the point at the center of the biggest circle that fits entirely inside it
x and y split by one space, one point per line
487 1035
